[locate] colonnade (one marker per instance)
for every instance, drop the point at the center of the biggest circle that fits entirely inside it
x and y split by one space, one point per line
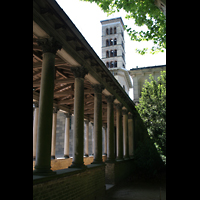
44 129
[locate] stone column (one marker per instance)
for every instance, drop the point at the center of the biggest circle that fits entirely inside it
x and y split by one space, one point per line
86 139
131 135
97 123
53 141
119 132
43 149
110 130
79 73
105 140
35 126
125 134
92 138
66 139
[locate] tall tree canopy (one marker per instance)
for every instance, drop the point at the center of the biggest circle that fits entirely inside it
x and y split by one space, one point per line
144 12
152 109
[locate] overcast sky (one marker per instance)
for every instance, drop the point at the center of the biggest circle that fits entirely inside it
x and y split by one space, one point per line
87 16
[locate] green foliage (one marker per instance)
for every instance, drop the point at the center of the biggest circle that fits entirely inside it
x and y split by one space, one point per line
152 109
144 12
147 160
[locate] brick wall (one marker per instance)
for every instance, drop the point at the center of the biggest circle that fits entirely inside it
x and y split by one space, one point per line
71 184
116 172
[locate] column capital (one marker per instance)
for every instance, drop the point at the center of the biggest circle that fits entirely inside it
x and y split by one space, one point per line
36 104
49 45
98 88
55 109
79 72
124 112
118 106
67 115
110 98
130 116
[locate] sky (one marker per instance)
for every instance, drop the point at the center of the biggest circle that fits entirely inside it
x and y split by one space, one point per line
87 16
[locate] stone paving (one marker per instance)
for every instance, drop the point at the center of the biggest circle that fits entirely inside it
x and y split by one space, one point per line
138 190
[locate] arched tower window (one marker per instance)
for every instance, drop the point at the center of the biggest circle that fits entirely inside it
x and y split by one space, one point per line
111 41
110 30
107 54
107 43
107 32
107 64
115 30
115 64
111 64
111 53
115 52
115 41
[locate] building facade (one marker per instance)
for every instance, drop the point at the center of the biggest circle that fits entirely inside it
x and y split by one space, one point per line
139 75
113 51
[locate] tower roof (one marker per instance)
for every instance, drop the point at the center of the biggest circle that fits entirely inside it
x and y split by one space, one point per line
108 21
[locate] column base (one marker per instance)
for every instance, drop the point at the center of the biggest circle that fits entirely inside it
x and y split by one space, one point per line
110 161
127 158
105 154
119 159
97 162
66 156
78 165
53 157
43 172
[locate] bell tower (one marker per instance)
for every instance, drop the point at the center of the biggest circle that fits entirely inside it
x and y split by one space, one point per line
113 51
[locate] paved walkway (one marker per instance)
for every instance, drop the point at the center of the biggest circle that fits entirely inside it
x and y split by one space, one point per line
138 190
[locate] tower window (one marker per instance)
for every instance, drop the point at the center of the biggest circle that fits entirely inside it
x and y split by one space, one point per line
115 30
111 53
115 64
115 41
115 52
107 54
111 41
111 64
110 30
107 64
107 33
107 42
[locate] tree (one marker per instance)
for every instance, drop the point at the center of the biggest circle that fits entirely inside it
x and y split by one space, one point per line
144 12
152 109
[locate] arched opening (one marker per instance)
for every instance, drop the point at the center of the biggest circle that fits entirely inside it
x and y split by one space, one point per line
115 41
107 42
110 30
111 53
115 52
107 54
107 32
115 30
111 41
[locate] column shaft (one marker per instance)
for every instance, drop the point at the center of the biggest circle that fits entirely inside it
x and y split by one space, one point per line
105 141
79 73
53 142
35 126
97 124
130 135
110 130
125 134
119 132
43 150
86 139
66 139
